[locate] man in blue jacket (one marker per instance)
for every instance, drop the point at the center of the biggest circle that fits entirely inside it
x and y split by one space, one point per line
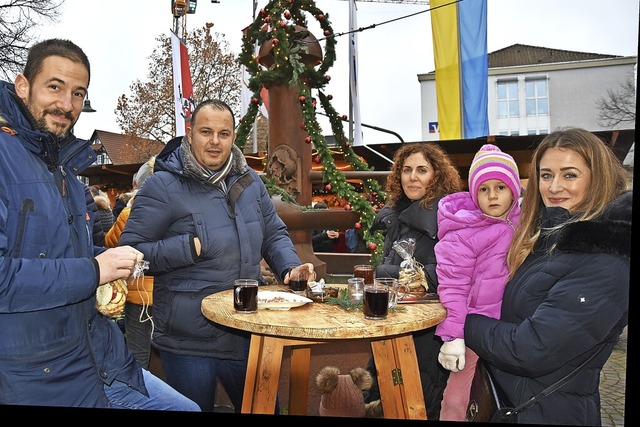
203 219
56 349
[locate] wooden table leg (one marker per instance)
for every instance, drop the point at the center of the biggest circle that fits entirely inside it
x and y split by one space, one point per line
299 380
252 373
399 378
261 383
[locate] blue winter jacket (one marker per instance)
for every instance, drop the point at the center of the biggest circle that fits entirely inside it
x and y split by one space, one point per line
236 229
55 348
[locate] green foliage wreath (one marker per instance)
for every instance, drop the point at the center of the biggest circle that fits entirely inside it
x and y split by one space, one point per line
276 24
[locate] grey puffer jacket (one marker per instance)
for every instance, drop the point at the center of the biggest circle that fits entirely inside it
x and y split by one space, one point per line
236 230
557 311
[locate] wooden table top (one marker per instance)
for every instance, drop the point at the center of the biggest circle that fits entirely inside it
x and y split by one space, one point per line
320 320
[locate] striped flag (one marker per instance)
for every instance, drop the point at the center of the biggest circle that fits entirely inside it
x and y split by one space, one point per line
182 86
353 74
460 49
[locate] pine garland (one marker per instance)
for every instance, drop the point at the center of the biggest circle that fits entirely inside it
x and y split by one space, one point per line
276 23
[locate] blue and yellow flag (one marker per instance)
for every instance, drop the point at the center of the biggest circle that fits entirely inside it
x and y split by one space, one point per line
459 30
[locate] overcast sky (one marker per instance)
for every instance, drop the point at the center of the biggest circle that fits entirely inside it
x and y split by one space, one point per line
119 35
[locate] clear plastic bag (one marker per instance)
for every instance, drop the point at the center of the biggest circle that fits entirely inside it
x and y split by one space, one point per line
111 297
412 283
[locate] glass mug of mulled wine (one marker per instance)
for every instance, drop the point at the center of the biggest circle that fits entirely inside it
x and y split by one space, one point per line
245 295
365 271
299 278
375 304
392 283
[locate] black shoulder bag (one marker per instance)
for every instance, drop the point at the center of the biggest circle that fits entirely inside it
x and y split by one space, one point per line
488 404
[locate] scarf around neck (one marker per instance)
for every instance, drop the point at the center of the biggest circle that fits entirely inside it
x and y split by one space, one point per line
198 171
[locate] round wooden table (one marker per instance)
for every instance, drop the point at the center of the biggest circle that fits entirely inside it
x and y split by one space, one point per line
317 323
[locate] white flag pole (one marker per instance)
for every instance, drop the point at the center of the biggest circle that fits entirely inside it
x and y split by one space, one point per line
355 123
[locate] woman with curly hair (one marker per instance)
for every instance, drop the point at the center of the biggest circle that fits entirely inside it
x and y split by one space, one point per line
421 175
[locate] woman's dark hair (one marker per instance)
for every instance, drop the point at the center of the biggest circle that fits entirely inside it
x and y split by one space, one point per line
446 178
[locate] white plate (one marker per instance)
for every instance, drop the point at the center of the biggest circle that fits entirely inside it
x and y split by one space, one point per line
274 300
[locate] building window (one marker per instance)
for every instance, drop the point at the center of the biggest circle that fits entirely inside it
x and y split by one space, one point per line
537 98
508 99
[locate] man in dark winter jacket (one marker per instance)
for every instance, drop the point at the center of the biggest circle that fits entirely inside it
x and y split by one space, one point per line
203 219
56 349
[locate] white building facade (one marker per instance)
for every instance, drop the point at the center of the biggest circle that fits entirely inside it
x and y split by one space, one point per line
533 90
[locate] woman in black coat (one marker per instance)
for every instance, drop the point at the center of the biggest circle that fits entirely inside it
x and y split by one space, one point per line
568 293
421 175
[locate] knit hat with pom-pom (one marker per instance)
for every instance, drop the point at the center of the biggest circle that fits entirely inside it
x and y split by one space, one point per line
491 163
342 394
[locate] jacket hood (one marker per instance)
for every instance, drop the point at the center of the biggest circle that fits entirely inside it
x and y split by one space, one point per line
609 234
102 201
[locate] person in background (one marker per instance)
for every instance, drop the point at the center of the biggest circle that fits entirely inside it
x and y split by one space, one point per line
138 309
421 175
324 240
568 293
203 219
56 349
97 232
104 207
475 228
122 200
354 239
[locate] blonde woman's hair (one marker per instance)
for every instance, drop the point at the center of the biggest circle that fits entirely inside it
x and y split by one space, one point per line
446 178
608 178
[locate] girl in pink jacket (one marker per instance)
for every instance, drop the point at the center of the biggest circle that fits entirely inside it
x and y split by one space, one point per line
474 231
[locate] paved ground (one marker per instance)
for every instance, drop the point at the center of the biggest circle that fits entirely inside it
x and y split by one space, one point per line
613 385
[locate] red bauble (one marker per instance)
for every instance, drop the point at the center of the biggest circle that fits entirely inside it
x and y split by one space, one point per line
262 12
328 77
302 99
287 14
275 42
317 160
308 140
372 246
267 19
347 207
344 117
357 226
328 187
326 33
320 17
303 126
283 24
254 100
329 97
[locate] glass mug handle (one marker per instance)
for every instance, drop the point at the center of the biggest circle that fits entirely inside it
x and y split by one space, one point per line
236 294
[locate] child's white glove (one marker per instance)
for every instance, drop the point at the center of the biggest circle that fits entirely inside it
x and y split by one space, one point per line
451 355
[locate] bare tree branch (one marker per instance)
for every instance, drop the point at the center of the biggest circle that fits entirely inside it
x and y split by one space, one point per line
18 22
618 106
148 111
